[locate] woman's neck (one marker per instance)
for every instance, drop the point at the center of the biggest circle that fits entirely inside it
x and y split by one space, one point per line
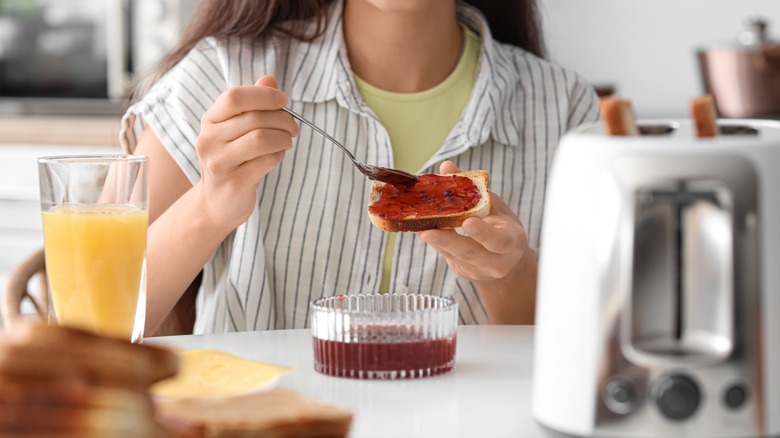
404 50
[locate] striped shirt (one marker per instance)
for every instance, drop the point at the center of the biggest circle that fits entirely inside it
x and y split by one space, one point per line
310 235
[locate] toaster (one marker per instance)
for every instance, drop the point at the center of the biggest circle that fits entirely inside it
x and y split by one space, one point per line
658 306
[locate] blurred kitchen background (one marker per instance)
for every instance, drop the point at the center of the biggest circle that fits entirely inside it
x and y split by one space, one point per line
646 50
64 65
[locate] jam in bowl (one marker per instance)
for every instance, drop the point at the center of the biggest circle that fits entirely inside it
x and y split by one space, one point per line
384 336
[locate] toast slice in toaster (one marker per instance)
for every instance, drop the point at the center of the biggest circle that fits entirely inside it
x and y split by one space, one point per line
705 116
618 115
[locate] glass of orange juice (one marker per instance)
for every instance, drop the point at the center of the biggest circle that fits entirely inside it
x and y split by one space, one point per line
95 218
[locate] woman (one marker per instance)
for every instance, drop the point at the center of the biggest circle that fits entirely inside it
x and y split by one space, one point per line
275 216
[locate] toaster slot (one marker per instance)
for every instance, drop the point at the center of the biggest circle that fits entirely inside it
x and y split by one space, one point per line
682 280
737 130
657 130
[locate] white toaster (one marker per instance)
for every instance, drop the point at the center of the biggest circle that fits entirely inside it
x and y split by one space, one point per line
658 308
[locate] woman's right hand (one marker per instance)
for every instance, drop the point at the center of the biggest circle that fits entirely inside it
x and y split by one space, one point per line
243 136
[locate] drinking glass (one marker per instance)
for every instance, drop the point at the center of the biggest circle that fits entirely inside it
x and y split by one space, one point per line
384 336
95 216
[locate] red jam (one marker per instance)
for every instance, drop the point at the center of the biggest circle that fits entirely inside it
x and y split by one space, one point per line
432 195
385 360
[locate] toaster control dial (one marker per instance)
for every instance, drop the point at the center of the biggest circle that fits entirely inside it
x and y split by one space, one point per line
677 396
620 396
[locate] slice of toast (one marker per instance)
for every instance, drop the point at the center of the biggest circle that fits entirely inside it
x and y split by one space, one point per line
65 382
705 116
618 115
277 413
436 202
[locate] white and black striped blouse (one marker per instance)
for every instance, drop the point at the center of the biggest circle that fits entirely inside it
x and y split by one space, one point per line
310 235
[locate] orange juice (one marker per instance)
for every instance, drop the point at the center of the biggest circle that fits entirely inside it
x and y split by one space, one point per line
95 265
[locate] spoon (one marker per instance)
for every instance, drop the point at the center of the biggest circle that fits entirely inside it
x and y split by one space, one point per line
386 175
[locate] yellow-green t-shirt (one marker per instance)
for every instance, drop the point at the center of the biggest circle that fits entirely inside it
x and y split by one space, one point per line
418 123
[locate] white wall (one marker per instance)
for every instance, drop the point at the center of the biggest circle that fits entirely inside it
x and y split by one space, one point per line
646 48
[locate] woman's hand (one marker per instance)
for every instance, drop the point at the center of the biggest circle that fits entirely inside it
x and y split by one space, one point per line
494 256
244 135
493 246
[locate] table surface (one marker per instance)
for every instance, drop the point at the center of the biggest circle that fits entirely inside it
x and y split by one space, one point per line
488 394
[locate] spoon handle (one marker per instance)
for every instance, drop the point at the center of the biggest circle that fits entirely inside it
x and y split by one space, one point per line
323 133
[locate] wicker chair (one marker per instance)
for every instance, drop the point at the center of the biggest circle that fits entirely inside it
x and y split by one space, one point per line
178 322
17 289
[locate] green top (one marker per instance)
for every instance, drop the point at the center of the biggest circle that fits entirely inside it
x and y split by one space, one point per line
418 123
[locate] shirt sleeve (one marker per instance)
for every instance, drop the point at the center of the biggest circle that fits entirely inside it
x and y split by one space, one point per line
174 106
584 104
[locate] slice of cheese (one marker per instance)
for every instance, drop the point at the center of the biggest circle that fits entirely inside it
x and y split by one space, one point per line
213 373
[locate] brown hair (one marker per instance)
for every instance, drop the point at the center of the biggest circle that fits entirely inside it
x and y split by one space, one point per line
515 22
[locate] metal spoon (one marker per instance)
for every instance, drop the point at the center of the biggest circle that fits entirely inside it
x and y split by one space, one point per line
384 174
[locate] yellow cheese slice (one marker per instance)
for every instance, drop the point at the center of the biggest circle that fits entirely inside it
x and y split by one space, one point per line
213 373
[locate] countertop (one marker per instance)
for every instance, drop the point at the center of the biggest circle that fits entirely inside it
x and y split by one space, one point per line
487 395
73 130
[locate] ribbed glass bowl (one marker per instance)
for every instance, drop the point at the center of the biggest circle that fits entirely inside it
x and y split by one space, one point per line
384 336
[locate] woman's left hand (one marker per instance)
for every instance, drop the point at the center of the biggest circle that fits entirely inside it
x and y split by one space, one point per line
492 248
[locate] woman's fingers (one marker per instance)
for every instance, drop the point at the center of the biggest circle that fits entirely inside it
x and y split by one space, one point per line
499 239
251 120
238 100
253 144
491 248
468 257
255 170
462 248
448 167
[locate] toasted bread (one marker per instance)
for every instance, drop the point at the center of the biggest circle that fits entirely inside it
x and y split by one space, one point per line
58 381
27 351
618 115
429 205
57 410
704 116
278 413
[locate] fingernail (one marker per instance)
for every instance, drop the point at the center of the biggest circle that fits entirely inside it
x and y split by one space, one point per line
281 98
429 238
470 227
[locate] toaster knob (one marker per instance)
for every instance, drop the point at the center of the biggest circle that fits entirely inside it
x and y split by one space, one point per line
677 396
620 396
736 396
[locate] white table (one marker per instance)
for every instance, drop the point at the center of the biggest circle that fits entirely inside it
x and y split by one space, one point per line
488 394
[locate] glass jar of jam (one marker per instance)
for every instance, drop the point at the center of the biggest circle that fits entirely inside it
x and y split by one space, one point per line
384 336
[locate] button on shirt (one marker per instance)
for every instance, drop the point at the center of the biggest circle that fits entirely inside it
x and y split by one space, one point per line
310 235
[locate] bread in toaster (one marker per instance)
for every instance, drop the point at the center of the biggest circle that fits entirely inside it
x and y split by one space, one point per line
618 116
435 202
704 116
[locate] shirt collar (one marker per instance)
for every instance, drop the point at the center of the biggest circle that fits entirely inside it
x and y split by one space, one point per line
323 73
321 66
479 115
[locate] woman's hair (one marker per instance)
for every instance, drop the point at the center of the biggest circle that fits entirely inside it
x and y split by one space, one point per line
515 22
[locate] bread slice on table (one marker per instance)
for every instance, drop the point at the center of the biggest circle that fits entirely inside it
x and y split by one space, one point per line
436 202
277 413
31 350
705 116
64 382
618 116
